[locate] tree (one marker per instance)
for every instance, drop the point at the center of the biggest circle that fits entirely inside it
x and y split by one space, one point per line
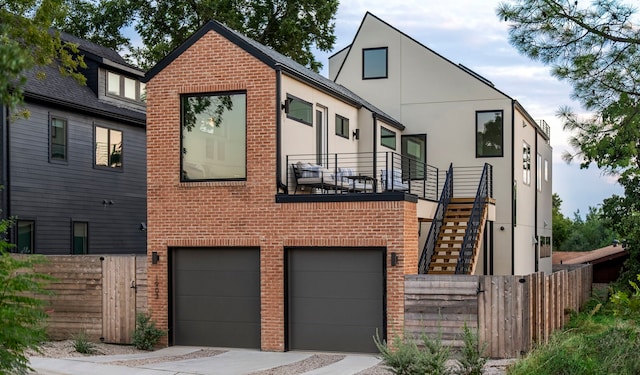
21 315
561 225
26 42
289 27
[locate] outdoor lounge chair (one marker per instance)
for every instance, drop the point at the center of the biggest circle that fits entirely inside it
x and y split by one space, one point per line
315 176
391 180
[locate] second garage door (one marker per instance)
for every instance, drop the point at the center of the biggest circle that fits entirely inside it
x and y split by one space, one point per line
335 299
216 297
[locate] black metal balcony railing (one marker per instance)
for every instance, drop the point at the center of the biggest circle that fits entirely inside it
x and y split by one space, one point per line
364 172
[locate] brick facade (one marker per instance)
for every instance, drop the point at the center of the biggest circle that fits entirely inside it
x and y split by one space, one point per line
244 214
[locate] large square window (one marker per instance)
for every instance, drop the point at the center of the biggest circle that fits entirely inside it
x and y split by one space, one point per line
299 110
58 139
25 238
214 135
374 63
489 136
108 148
342 126
387 138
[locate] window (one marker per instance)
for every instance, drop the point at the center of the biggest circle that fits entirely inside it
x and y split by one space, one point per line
125 87
25 238
57 139
342 126
414 151
546 170
545 246
108 147
214 134
539 172
526 163
387 138
299 110
374 63
80 237
489 133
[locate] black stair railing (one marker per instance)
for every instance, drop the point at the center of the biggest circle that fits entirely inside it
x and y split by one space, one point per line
436 224
485 191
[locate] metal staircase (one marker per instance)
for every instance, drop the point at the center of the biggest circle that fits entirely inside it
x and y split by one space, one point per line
453 242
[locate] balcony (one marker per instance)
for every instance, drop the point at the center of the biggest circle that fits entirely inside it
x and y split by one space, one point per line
361 176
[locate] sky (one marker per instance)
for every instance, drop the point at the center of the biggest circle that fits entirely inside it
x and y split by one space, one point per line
470 33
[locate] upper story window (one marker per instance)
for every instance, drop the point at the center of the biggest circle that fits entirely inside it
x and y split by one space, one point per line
125 87
526 163
342 126
374 63
539 172
214 136
387 138
108 147
299 110
489 136
546 170
57 139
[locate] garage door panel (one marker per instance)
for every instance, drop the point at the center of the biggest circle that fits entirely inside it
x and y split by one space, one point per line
365 285
335 298
219 309
211 282
232 335
353 312
216 297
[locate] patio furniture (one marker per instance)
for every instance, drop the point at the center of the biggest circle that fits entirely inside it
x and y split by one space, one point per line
316 177
391 180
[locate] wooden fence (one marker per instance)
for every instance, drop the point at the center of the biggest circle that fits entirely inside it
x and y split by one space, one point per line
511 313
92 294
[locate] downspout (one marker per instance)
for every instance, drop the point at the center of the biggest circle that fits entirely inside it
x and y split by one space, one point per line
513 177
279 184
5 209
535 211
375 147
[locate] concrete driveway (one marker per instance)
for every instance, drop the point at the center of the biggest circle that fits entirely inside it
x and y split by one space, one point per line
177 360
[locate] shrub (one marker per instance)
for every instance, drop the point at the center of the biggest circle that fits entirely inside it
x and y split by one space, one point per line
627 304
472 360
406 358
82 345
22 317
146 334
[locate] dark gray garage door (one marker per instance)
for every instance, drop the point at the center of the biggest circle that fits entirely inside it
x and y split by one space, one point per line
216 297
335 299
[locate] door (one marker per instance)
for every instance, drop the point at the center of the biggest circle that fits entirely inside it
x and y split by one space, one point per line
322 136
335 298
216 297
118 299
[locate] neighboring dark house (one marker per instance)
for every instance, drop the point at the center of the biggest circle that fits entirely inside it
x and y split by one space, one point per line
607 262
74 173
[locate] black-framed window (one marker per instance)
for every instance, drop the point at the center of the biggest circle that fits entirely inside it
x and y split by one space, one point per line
299 110
489 134
80 237
214 136
387 138
526 163
342 126
375 63
414 151
25 236
108 149
57 139
122 86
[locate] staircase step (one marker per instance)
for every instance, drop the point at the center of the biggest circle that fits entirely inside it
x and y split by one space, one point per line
449 242
445 257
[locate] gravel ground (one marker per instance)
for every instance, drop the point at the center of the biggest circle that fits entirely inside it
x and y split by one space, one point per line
64 349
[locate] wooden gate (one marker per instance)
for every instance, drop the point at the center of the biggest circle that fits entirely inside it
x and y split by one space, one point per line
118 299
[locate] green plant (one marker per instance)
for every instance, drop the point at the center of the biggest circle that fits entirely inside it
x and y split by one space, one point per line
82 345
472 360
22 317
146 334
405 357
627 304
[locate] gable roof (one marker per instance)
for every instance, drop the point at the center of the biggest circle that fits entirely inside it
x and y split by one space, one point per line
461 67
66 92
274 60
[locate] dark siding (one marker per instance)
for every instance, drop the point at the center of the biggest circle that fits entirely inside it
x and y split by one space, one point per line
91 74
55 194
